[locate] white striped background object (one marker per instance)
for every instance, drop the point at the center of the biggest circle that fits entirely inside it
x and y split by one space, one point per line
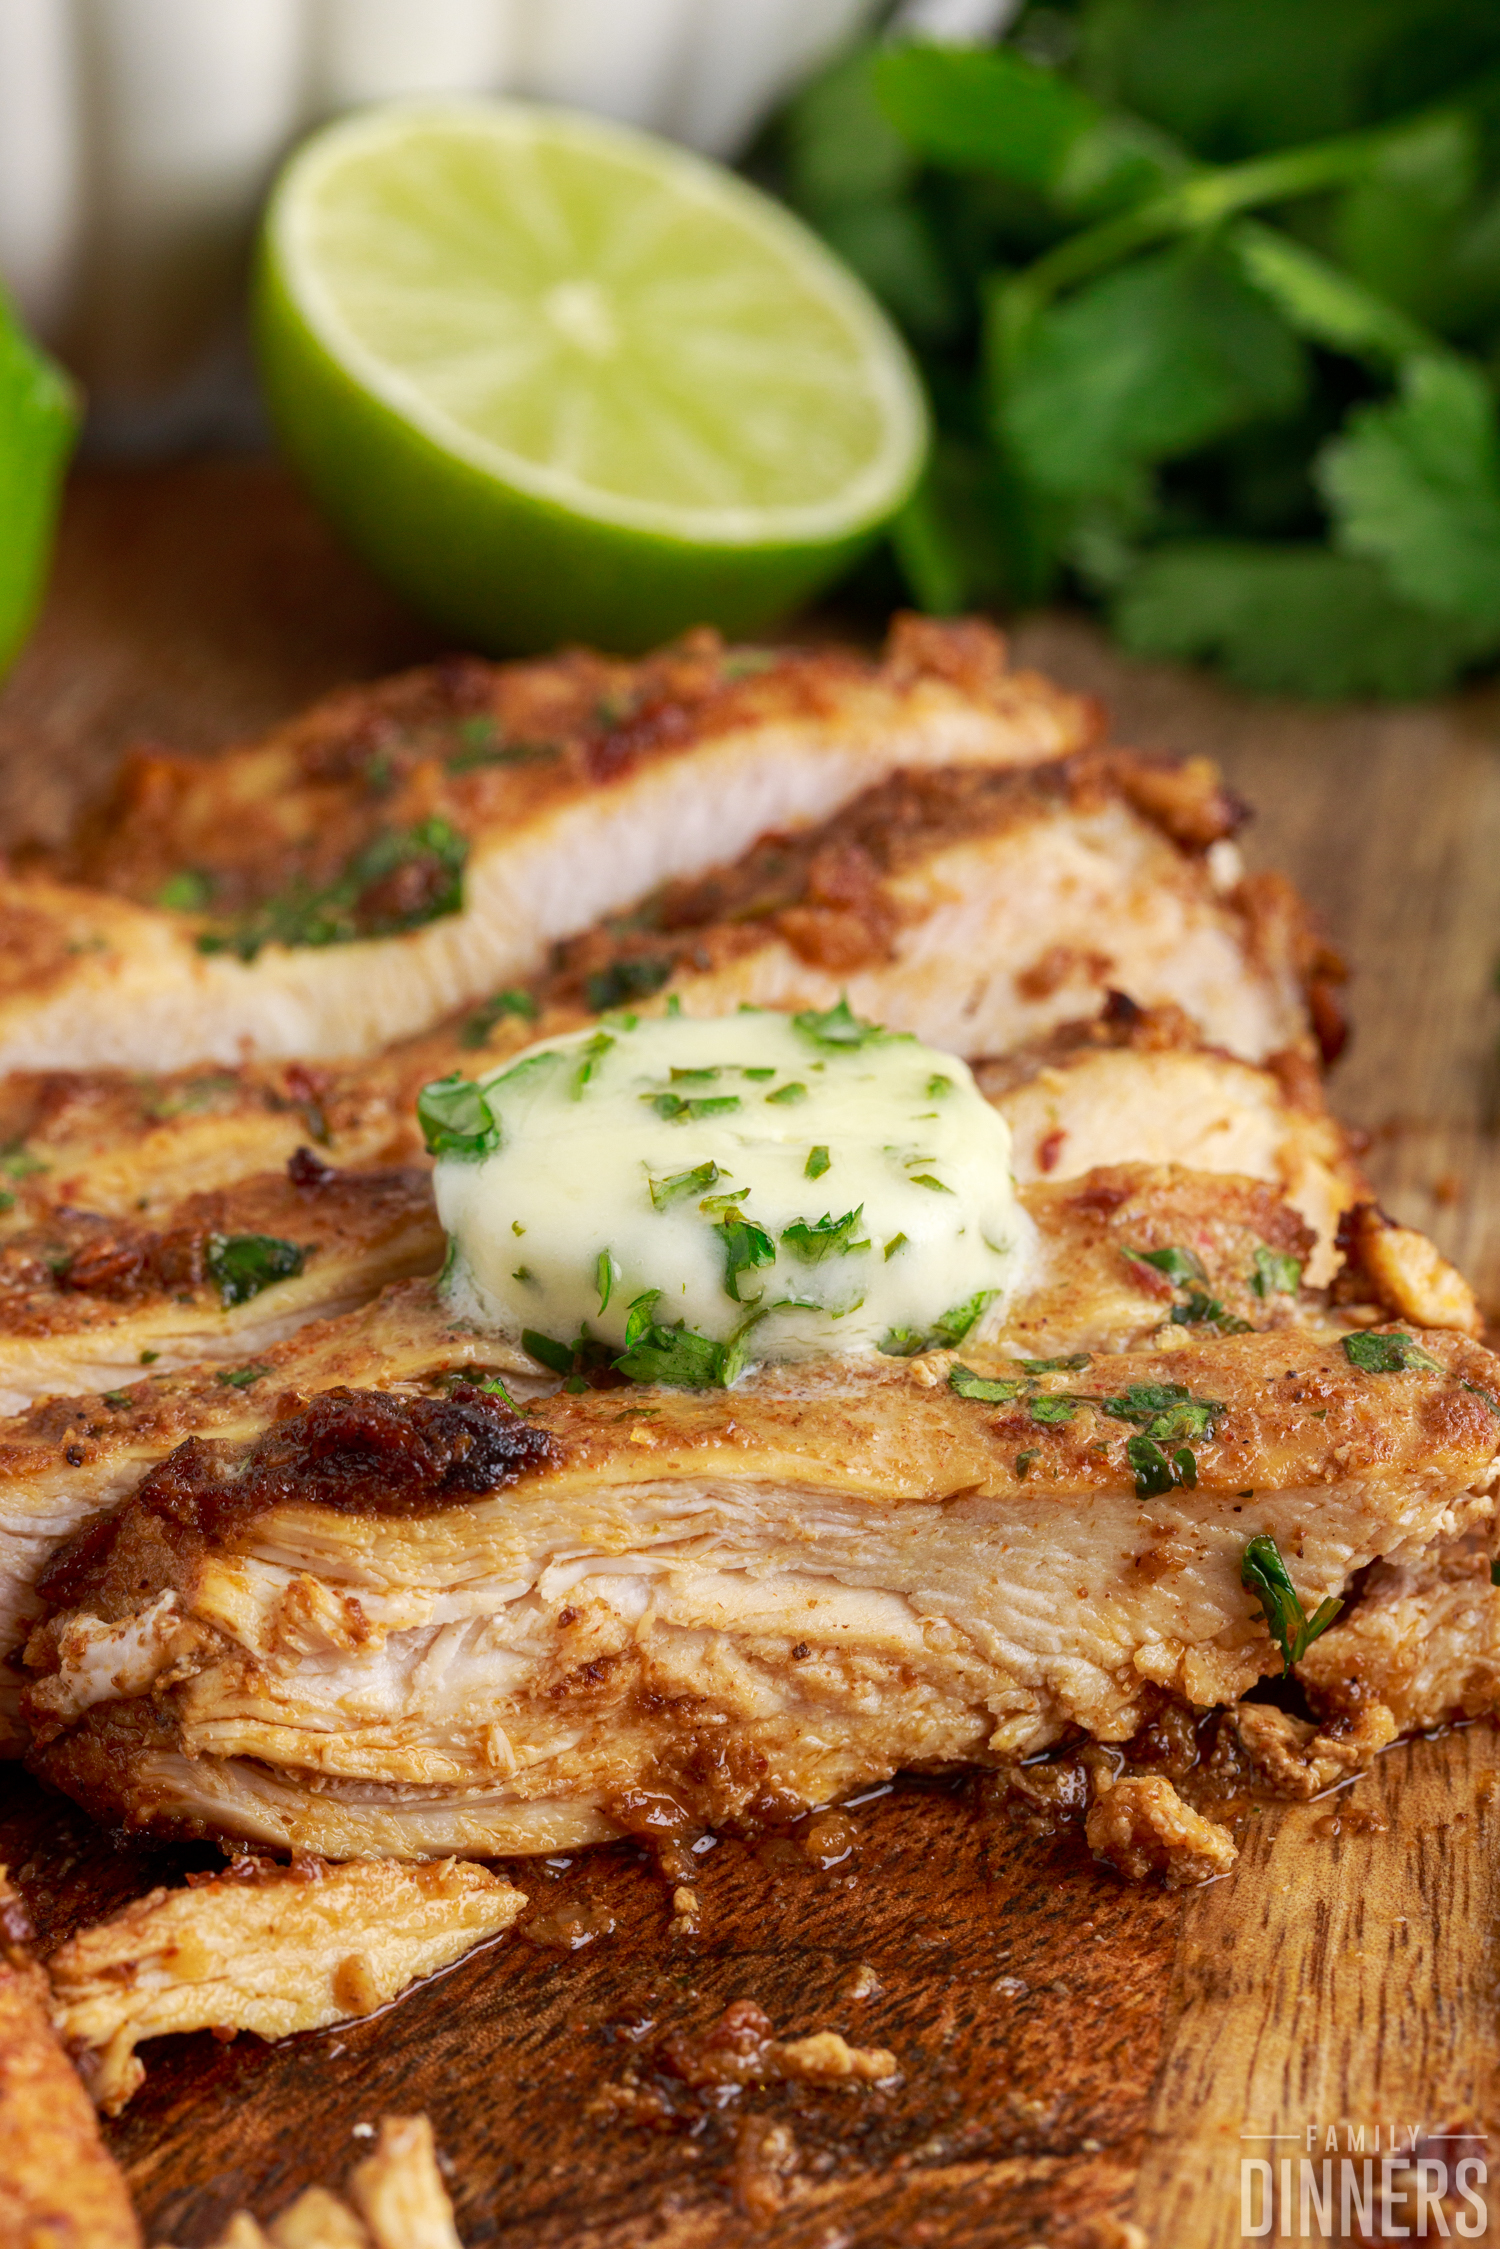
138 136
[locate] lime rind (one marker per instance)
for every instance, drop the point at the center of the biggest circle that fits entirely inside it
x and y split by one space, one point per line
38 426
842 335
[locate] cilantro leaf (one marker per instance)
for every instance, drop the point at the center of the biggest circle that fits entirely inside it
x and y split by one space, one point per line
1073 1364
1143 365
456 1119
1276 1272
547 1351
1164 1410
1389 1354
747 1247
241 1265
839 1031
1181 1266
818 1161
829 1237
1415 485
984 1388
1289 620
953 1325
232 1378
1264 1573
365 900
665 1192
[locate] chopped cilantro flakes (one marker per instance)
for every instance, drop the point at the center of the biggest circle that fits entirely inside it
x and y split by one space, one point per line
1389 1354
818 1161
1264 1573
241 1265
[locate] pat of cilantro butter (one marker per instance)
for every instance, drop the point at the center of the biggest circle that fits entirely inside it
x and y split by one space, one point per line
656 1189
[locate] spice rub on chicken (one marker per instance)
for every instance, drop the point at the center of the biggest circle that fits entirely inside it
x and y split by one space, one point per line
87 1301
964 905
1121 1256
401 849
416 1629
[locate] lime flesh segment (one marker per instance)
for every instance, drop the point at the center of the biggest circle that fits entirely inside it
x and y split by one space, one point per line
557 380
38 422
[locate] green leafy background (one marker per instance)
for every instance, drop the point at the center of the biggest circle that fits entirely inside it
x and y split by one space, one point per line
1207 298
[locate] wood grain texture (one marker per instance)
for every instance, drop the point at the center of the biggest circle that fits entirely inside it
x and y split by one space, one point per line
1076 2055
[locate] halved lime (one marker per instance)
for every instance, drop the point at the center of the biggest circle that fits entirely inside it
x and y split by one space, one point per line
38 422
558 380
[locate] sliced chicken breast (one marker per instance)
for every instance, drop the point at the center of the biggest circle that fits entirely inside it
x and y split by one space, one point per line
401 849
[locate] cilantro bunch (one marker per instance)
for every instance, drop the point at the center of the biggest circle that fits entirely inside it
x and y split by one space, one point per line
1207 296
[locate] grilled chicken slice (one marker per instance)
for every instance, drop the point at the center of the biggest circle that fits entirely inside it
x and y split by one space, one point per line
1422 1641
422 1626
1136 1084
58 2183
87 1301
964 906
264 1948
401 849
70 1462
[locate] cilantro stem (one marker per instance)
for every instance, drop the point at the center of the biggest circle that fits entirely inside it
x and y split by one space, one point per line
1204 199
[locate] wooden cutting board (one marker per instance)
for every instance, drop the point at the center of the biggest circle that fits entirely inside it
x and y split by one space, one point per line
1078 2057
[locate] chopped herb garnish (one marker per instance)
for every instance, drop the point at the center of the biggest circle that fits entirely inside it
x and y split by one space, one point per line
747 1248
241 1378
982 1387
793 1091
694 1077
937 1087
1023 1465
525 1276
665 1192
576 1385
7 1199
496 1389
17 1161
1495 1573
818 1161
954 1324
925 1179
677 1356
244 1264
547 1351
1207 1311
1180 1266
365 901
149 1358
626 980
837 1028
482 743
897 1241
1056 1412
759 1076
675 1110
1074 1364
1276 1273
590 1054
476 1031
516 1227
723 1206
1486 1395
1264 1573
829 1237
1155 1472
1164 1410
606 1273
121 1399
1389 1354
456 1119
185 893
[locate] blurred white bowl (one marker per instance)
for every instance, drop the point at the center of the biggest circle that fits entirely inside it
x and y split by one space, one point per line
137 136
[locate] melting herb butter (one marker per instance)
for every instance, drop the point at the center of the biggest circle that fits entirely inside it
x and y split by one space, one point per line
687 1213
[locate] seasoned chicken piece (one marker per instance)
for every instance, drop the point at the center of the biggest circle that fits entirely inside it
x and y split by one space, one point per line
265 1948
59 2188
1135 1085
964 905
1422 1642
398 2191
401 849
419 1626
87 1301
71 1461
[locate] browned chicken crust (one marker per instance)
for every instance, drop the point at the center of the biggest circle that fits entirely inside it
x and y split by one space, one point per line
59 2188
836 1573
401 848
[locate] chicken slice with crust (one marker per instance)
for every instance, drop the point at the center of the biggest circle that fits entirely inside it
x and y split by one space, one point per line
401 849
